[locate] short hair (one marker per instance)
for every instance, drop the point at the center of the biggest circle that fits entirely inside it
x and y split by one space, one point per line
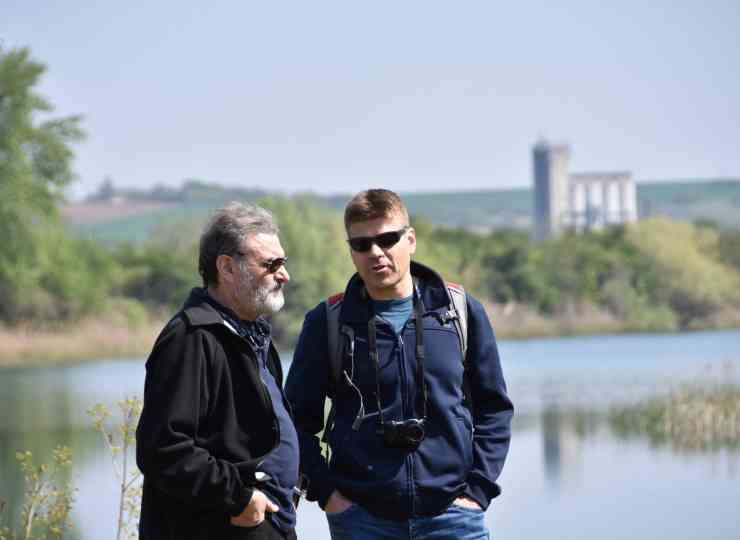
374 204
225 231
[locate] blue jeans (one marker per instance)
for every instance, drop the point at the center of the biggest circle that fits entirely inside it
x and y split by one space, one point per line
455 523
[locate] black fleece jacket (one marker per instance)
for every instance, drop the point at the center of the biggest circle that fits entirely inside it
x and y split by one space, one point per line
207 424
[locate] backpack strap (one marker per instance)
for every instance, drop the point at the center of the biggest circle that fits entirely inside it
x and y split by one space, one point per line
334 349
459 305
333 306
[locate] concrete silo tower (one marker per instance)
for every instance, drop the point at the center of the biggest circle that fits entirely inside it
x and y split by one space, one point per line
551 188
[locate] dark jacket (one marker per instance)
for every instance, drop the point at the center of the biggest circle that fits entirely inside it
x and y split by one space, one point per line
462 453
207 423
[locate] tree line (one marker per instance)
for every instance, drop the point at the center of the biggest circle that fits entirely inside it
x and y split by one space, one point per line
657 274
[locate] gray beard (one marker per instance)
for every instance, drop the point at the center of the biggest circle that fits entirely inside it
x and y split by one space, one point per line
265 300
268 302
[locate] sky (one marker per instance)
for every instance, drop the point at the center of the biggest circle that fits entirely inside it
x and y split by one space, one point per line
409 95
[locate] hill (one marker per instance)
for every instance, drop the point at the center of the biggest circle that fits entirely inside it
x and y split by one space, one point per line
135 214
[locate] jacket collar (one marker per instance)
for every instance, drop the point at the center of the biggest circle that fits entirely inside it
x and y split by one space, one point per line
432 288
200 312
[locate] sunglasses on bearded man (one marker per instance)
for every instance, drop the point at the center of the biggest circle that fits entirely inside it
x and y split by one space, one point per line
384 240
271 265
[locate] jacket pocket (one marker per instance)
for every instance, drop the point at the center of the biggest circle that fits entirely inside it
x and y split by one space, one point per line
465 429
362 456
445 457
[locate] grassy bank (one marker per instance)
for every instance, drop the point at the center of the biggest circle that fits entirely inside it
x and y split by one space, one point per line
86 340
522 321
94 339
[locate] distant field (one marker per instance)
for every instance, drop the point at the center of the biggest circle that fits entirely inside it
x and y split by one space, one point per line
138 226
717 200
91 213
711 200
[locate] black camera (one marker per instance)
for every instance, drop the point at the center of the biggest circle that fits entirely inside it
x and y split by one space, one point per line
403 433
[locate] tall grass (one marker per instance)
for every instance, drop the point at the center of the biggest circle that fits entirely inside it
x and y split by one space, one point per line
693 418
86 340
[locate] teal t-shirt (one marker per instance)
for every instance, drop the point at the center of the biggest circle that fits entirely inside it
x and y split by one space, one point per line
396 311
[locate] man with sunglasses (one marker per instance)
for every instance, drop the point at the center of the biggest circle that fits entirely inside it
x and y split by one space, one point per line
215 442
418 434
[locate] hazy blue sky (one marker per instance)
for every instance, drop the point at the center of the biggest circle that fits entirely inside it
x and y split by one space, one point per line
410 95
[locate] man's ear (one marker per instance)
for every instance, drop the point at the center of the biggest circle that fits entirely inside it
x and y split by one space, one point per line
412 240
226 266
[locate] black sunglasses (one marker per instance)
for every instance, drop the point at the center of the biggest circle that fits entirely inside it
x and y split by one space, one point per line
271 265
383 240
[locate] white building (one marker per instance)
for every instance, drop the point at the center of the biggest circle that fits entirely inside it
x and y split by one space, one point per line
579 202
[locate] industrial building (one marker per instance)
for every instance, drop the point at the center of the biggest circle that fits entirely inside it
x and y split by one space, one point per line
577 202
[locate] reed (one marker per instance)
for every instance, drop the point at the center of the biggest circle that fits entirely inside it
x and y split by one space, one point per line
522 321
86 340
689 419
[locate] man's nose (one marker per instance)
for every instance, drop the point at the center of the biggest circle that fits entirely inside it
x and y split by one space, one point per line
376 250
282 275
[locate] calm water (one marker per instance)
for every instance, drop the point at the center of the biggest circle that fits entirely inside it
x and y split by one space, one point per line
569 474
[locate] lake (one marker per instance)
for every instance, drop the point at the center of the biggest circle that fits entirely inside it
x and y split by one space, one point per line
572 471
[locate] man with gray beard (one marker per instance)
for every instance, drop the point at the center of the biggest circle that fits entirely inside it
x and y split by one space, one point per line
216 442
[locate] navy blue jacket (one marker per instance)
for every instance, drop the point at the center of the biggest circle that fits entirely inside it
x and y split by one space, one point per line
463 452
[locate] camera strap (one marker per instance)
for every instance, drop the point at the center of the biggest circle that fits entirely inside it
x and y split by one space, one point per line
420 354
372 345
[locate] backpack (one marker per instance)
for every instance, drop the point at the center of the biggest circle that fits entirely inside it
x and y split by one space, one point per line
457 313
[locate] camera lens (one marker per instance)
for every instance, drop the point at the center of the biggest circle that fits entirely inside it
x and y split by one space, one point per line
414 432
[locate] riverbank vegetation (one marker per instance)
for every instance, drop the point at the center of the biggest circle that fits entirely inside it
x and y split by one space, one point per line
690 419
47 501
45 507
64 296
656 275
87 339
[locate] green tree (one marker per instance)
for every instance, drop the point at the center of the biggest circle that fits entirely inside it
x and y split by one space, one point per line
318 258
35 165
160 272
729 247
693 280
511 271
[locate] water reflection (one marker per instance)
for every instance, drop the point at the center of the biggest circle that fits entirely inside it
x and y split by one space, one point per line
562 432
701 419
587 428
38 417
